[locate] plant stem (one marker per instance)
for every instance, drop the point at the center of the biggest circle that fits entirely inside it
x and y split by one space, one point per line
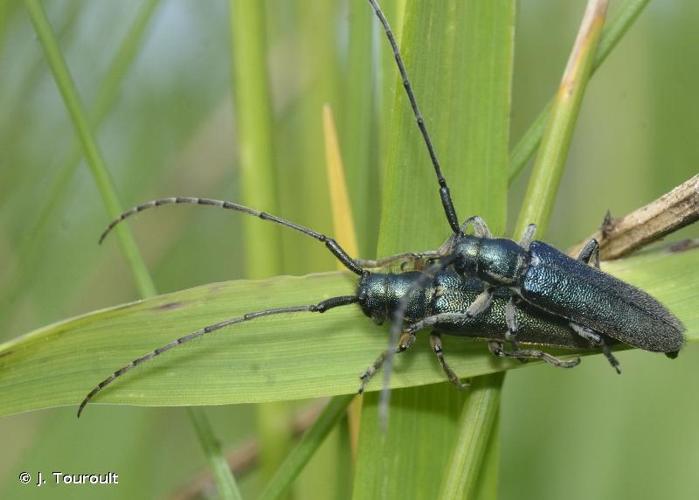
105 186
106 96
91 151
551 159
304 450
345 234
613 33
227 487
253 118
476 423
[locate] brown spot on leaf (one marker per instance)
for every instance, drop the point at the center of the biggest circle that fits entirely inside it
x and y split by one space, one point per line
684 245
169 306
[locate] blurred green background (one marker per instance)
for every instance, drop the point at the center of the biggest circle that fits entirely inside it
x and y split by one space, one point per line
580 434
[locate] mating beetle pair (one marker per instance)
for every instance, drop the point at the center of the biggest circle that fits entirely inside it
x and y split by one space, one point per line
595 303
475 286
592 300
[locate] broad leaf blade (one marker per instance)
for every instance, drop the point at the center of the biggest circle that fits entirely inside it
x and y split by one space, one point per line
459 58
273 359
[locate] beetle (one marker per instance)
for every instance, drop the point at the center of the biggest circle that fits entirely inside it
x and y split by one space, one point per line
441 305
593 301
479 287
433 298
596 304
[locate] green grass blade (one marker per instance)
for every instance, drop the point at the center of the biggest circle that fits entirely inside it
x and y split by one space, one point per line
408 460
227 486
541 193
298 134
548 169
105 99
345 234
91 151
304 450
611 35
262 242
253 117
462 53
467 132
27 251
358 130
34 72
273 359
553 153
95 161
479 414
487 483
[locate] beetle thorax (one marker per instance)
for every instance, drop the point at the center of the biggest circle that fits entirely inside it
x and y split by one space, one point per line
379 295
497 261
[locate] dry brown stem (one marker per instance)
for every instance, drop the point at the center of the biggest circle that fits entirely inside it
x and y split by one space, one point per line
672 211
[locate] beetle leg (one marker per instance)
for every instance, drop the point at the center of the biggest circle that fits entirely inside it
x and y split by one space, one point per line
446 247
480 228
436 343
496 348
407 339
606 350
511 320
607 225
590 252
528 236
481 303
407 257
597 340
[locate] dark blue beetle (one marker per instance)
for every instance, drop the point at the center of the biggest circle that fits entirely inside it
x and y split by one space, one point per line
594 302
437 302
565 302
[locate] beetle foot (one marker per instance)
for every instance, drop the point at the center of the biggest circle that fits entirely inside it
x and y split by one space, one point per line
496 348
436 343
610 357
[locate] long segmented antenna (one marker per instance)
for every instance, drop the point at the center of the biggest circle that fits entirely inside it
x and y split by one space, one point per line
444 194
330 243
320 307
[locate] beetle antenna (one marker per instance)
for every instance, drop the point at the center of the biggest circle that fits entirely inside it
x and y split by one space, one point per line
330 243
320 307
444 194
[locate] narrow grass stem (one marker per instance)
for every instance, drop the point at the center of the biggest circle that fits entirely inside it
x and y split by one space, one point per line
262 242
476 423
227 487
304 450
345 234
551 159
95 161
106 97
612 34
91 150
